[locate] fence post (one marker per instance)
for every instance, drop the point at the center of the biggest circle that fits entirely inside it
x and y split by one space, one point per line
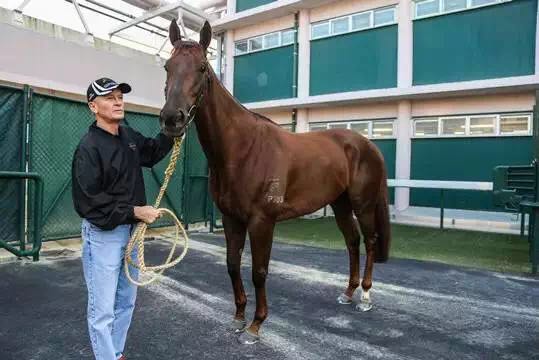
442 209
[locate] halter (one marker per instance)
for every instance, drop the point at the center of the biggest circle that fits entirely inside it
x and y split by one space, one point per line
191 114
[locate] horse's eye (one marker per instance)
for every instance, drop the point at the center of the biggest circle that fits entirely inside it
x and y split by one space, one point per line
203 67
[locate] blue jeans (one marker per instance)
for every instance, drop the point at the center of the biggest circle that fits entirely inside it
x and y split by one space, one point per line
111 297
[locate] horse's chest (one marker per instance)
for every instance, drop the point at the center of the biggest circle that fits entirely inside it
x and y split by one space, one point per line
227 196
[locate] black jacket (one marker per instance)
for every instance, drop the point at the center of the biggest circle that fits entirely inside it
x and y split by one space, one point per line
107 174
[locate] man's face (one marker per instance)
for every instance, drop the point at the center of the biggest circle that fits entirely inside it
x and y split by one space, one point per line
109 107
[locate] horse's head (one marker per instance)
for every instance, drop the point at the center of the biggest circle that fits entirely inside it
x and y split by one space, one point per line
187 79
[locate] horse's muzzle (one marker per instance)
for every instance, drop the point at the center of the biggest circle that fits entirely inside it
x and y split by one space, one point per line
173 122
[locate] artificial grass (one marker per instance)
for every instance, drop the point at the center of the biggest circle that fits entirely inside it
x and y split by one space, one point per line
489 251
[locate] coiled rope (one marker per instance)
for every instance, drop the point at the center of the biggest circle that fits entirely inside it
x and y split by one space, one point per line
151 273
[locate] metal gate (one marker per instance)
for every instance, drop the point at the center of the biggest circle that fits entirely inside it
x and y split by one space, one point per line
13 104
196 195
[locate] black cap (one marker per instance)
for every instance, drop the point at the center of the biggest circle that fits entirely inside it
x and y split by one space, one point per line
105 86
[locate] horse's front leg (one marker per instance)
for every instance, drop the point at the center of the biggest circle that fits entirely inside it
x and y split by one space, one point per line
235 240
261 237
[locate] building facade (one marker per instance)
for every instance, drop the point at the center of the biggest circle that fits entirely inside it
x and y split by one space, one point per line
445 88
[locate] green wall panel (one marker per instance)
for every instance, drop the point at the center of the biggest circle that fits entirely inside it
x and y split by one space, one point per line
388 149
355 61
264 75
11 191
490 42
249 4
464 159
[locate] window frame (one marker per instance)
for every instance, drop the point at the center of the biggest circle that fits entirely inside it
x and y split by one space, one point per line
420 120
441 127
496 119
441 7
370 124
529 127
263 40
497 125
371 13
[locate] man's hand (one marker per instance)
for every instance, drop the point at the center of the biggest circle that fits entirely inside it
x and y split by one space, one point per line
147 213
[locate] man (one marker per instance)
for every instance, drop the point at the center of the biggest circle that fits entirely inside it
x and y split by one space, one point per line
108 193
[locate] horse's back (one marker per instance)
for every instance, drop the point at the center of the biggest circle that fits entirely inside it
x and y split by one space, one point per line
353 145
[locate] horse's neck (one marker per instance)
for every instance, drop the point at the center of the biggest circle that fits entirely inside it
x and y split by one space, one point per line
225 128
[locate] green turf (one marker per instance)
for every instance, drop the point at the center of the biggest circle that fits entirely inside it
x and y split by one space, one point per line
498 252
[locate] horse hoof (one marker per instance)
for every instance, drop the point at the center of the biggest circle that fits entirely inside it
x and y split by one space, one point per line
364 306
344 299
248 338
238 325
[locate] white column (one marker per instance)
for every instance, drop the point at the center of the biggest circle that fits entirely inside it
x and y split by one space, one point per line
230 7
404 153
229 61
405 44
219 62
302 120
537 43
304 56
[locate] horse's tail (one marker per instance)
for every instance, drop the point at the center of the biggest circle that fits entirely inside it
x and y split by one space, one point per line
383 227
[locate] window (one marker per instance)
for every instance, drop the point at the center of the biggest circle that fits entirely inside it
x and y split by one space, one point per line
482 125
287 127
271 40
426 127
354 22
255 44
475 125
482 2
267 41
320 30
361 21
515 124
453 126
339 26
241 47
362 128
367 128
317 127
452 5
382 129
424 8
288 37
384 17
338 126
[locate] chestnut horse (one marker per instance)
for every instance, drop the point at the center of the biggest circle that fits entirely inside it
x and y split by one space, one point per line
261 174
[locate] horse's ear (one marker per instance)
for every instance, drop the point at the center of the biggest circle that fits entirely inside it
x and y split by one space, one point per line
205 35
174 33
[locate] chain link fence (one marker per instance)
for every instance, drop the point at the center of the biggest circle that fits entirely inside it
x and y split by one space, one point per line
11 159
57 125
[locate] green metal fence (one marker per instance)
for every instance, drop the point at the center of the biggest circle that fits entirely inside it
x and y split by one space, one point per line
56 127
12 133
196 195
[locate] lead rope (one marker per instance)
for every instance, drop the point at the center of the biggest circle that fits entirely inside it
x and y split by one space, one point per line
137 239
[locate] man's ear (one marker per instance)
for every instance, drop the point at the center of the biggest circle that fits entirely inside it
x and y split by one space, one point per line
93 107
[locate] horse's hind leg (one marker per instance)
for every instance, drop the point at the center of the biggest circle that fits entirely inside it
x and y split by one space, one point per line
235 240
368 228
342 208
